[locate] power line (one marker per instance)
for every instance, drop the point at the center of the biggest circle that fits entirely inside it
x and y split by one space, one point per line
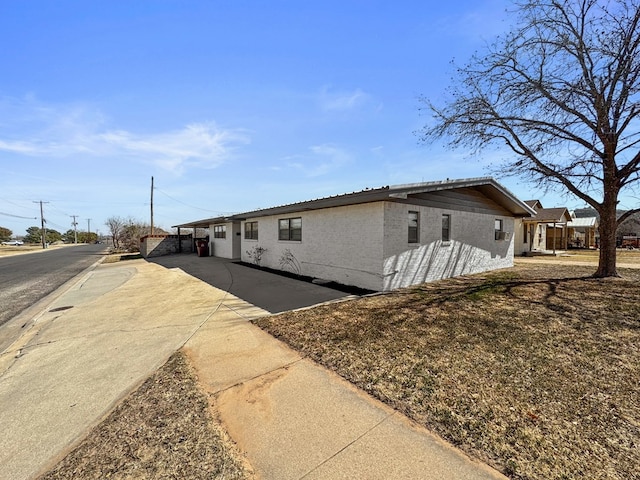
60 211
18 216
56 225
192 206
6 200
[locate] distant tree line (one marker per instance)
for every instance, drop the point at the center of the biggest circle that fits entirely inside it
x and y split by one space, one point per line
5 234
34 235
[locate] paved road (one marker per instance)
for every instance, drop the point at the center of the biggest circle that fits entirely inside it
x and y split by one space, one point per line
25 279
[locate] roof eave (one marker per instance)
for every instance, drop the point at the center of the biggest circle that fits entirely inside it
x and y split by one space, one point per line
498 194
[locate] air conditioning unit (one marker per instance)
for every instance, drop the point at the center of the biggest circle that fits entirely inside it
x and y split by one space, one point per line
503 235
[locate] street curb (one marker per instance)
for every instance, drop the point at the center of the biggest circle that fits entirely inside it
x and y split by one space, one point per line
30 316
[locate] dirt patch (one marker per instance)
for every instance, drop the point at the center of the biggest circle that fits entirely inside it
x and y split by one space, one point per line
535 369
163 430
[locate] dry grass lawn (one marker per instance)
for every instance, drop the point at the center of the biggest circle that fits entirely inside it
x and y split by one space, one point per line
535 369
6 250
163 430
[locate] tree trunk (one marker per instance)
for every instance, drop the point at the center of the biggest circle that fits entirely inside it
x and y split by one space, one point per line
607 228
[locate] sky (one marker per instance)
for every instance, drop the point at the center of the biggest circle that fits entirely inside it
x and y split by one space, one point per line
230 105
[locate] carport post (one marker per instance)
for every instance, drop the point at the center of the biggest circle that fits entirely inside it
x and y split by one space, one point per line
179 241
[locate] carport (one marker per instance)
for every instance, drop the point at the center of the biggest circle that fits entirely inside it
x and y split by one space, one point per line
204 224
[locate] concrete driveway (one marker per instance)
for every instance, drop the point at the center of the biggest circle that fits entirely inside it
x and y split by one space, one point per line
271 292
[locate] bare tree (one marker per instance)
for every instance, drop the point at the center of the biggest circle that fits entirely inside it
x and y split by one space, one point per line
115 225
131 233
561 91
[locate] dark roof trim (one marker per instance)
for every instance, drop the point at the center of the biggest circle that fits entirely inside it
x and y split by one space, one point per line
487 185
206 222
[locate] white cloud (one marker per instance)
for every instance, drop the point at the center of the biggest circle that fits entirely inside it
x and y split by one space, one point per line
201 145
483 21
70 131
342 101
321 160
22 148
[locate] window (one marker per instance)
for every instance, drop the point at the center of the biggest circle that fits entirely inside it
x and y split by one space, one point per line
499 233
413 227
446 227
290 229
219 231
251 230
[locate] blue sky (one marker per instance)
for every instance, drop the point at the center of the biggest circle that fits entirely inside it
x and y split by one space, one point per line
230 105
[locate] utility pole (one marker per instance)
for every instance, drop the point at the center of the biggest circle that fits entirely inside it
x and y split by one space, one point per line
43 230
88 230
151 205
75 229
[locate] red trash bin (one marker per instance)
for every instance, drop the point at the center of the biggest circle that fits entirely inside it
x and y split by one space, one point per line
202 248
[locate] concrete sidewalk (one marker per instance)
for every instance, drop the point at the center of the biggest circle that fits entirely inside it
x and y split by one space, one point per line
292 418
295 419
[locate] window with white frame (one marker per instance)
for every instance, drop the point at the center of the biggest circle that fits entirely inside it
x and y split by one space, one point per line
290 229
414 224
251 230
219 231
446 227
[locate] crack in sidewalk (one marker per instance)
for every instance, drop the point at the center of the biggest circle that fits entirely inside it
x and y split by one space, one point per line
348 445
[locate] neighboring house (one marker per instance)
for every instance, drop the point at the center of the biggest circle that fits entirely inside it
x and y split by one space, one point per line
553 229
379 239
582 232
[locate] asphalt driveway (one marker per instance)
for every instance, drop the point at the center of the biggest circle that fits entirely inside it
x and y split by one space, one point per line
269 291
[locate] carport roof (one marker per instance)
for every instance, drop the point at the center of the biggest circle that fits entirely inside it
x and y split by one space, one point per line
488 186
205 223
590 222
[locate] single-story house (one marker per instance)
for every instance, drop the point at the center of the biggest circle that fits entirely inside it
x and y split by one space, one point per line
583 232
553 229
382 238
545 230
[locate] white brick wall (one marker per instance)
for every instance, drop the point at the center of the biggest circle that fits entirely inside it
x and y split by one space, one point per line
226 247
343 244
348 245
472 248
